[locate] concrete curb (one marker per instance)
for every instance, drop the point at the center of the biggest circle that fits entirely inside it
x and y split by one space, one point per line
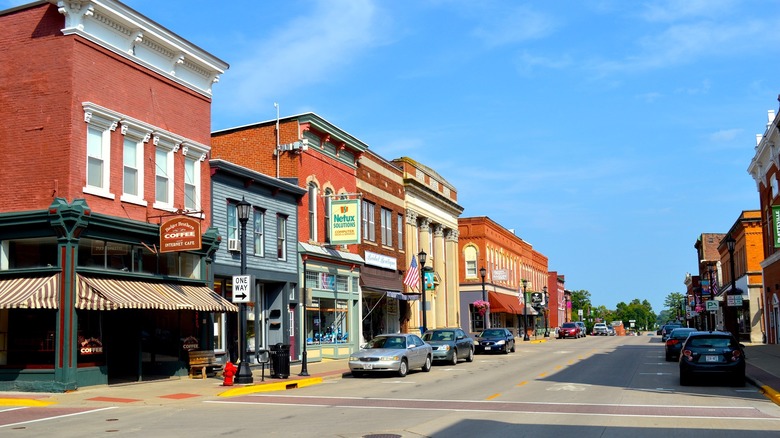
768 391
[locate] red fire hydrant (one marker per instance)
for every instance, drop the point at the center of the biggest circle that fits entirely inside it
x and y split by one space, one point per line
228 373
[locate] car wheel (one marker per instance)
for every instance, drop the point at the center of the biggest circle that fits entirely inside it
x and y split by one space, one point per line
668 357
403 369
506 349
470 357
454 360
513 348
427 366
685 378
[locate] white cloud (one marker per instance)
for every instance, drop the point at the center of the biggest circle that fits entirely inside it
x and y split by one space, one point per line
520 24
308 50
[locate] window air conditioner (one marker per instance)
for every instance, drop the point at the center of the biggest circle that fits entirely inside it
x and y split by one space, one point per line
234 245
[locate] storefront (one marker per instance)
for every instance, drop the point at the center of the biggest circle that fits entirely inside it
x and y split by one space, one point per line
384 307
90 299
332 300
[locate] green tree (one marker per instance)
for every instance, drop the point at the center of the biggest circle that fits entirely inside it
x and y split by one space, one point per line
641 312
674 303
580 300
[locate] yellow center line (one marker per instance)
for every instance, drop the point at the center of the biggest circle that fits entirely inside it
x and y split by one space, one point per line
522 383
493 396
542 375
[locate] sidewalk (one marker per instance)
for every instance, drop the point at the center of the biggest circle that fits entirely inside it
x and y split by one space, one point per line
763 369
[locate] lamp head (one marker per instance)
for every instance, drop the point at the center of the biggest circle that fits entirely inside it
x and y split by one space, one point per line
482 273
242 209
525 283
730 242
422 256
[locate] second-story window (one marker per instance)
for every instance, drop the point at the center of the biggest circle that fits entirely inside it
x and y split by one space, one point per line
369 231
259 233
470 256
281 237
387 227
133 171
98 158
400 231
313 193
328 200
191 184
163 169
232 225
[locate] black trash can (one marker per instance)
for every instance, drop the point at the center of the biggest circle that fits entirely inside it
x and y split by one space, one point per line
280 361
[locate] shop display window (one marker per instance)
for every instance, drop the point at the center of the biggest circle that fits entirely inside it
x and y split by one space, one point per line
29 253
327 321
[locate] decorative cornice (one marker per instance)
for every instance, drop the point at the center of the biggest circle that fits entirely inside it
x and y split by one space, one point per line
126 32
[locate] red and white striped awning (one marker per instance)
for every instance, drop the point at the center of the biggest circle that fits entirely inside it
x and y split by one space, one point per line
29 292
111 294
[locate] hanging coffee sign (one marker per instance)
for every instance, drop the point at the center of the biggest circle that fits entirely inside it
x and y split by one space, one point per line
180 234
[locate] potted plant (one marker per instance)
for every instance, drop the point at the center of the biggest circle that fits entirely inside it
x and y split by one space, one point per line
481 306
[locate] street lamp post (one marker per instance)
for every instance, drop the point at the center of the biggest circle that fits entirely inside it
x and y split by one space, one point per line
546 313
525 312
304 363
730 313
482 273
244 373
422 257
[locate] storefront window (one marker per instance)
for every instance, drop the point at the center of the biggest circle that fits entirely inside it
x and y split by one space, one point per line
114 256
477 319
30 338
29 253
327 321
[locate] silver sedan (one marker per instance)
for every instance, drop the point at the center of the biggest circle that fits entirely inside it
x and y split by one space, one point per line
396 353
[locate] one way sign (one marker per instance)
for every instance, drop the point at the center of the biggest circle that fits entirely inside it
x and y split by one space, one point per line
241 289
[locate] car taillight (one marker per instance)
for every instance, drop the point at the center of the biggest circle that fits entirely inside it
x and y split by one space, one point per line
735 355
672 341
688 355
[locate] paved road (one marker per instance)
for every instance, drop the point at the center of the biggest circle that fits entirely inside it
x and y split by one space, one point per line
592 387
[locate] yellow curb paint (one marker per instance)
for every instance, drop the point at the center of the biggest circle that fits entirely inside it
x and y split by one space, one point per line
493 396
542 375
771 394
522 383
557 367
269 387
24 402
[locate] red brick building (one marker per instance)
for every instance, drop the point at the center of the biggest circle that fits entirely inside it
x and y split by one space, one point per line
105 133
308 151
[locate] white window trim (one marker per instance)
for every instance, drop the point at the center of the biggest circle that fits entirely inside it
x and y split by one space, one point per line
196 178
140 135
106 122
169 145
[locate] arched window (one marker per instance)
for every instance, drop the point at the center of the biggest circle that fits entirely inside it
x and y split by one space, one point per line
313 195
328 199
470 257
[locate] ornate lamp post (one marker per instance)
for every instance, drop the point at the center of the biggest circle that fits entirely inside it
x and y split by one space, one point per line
525 311
546 313
482 273
730 312
244 373
422 258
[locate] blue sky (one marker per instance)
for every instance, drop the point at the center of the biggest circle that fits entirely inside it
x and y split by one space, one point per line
609 134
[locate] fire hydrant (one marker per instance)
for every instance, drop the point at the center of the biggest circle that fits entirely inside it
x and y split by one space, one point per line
228 373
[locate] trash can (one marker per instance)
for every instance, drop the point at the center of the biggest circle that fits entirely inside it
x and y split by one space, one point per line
280 361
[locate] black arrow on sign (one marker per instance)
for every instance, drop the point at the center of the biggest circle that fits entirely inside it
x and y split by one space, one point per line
241 296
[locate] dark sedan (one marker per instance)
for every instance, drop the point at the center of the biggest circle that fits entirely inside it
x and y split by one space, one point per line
675 341
713 355
496 339
450 344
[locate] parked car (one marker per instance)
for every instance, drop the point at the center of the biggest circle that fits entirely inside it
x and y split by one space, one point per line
666 329
674 342
611 330
569 330
600 329
712 354
583 329
450 344
495 339
396 353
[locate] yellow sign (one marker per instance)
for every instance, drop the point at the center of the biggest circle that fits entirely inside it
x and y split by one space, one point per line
345 221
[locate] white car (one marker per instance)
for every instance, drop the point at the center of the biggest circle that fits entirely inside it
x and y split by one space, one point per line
600 329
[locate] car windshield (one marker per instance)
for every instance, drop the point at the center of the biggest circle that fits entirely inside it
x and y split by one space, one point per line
681 333
569 325
392 342
709 342
439 336
491 333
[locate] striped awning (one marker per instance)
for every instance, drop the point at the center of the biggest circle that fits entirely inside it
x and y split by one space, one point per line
29 292
111 294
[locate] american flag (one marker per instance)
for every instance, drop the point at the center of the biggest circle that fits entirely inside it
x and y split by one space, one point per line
412 277
714 286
